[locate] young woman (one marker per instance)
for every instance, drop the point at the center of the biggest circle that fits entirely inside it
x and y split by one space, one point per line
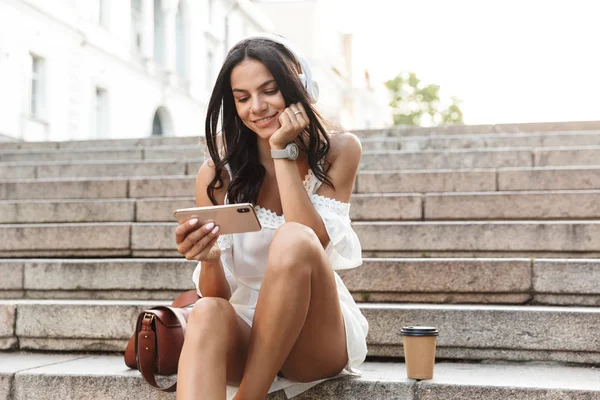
273 314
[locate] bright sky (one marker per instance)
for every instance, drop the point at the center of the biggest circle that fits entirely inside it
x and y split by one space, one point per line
507 60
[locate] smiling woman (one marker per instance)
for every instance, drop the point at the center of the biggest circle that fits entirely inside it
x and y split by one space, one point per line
260 108
274 314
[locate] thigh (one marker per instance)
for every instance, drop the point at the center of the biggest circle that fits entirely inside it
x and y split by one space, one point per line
213 319
320 350
238 352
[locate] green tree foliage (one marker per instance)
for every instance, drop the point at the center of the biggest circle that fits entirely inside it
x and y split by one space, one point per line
416 104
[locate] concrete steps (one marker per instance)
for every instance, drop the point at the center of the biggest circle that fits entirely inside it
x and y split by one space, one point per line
103 143
480 180
481 141
183 162
105 154
417 181
542 205
415 238
194 148
391 139
79 376
519 128
480 158
491 233
467 332
103 168
414 280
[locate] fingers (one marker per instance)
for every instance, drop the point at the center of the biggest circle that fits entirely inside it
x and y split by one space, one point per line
211 232
297 115
183 229
302 110
203 254
284 118
293 122
196 240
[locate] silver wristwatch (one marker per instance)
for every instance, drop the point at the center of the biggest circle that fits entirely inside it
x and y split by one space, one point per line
290 152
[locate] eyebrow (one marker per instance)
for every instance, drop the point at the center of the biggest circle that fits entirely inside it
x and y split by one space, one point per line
260 87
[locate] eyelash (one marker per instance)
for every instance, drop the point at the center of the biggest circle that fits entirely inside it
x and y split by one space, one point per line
267 92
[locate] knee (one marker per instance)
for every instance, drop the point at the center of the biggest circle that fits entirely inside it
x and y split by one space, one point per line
211 318
294 246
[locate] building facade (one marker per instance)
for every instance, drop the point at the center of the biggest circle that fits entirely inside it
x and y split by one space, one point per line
348 98
107 69
85 69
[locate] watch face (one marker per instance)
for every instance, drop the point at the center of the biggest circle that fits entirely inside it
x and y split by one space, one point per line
293 151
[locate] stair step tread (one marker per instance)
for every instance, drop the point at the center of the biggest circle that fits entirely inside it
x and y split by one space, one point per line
36 376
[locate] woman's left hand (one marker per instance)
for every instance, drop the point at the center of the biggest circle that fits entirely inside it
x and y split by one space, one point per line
293 121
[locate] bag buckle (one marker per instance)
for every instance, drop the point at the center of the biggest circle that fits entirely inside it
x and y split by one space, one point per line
150 316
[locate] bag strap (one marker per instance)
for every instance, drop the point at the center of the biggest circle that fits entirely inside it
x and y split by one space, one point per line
185 299
146 346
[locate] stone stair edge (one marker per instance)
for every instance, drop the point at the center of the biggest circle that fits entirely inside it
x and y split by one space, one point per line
522 127
365 259
382 306
200 157
360 172
354 195
98 162
528 127
377 381
526 332
145 143
474 149
380 172
357 223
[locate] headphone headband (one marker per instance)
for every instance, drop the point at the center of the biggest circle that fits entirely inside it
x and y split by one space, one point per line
311 86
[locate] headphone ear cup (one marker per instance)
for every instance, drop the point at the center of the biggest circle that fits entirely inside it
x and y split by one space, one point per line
303 80
315 91
312 90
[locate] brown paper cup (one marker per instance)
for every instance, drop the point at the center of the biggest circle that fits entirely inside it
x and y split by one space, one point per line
419 344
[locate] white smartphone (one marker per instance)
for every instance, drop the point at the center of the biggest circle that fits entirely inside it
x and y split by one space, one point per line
231 218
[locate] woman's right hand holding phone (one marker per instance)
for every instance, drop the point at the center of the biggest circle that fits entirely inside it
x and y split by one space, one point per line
198 243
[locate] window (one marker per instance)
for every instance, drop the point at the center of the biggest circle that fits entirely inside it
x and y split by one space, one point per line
157 129
159 46
101 113
209 11
101 12
180 42
37 86
136 25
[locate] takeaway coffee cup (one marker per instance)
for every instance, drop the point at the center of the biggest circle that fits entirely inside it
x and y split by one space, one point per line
419 350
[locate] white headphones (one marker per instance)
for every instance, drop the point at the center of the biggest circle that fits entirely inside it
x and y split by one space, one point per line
311 86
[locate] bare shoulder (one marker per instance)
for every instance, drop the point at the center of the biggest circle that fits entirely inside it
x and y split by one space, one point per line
345 149
344 158
205 175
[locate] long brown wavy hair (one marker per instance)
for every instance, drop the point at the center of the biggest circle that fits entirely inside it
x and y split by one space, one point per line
239 142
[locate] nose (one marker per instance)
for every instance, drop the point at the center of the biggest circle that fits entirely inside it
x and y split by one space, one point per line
258 105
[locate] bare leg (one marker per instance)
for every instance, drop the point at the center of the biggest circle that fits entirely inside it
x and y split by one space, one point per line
214 351
282 308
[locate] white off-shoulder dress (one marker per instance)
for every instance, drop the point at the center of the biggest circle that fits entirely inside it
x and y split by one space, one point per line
244 258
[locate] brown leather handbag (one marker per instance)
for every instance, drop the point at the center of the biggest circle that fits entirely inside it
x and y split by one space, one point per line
156 344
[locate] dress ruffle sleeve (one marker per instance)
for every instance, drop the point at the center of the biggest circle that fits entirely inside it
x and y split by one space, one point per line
225 243
344 250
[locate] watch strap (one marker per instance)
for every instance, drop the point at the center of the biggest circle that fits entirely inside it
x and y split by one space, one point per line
283 153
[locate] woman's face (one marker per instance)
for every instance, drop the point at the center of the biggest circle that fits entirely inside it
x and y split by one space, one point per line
257 98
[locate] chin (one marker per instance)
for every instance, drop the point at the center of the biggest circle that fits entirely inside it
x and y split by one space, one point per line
267 132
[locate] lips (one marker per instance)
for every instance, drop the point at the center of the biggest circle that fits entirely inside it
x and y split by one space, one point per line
263 122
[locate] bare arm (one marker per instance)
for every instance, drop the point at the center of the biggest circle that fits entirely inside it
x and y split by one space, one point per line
297 207
212 282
